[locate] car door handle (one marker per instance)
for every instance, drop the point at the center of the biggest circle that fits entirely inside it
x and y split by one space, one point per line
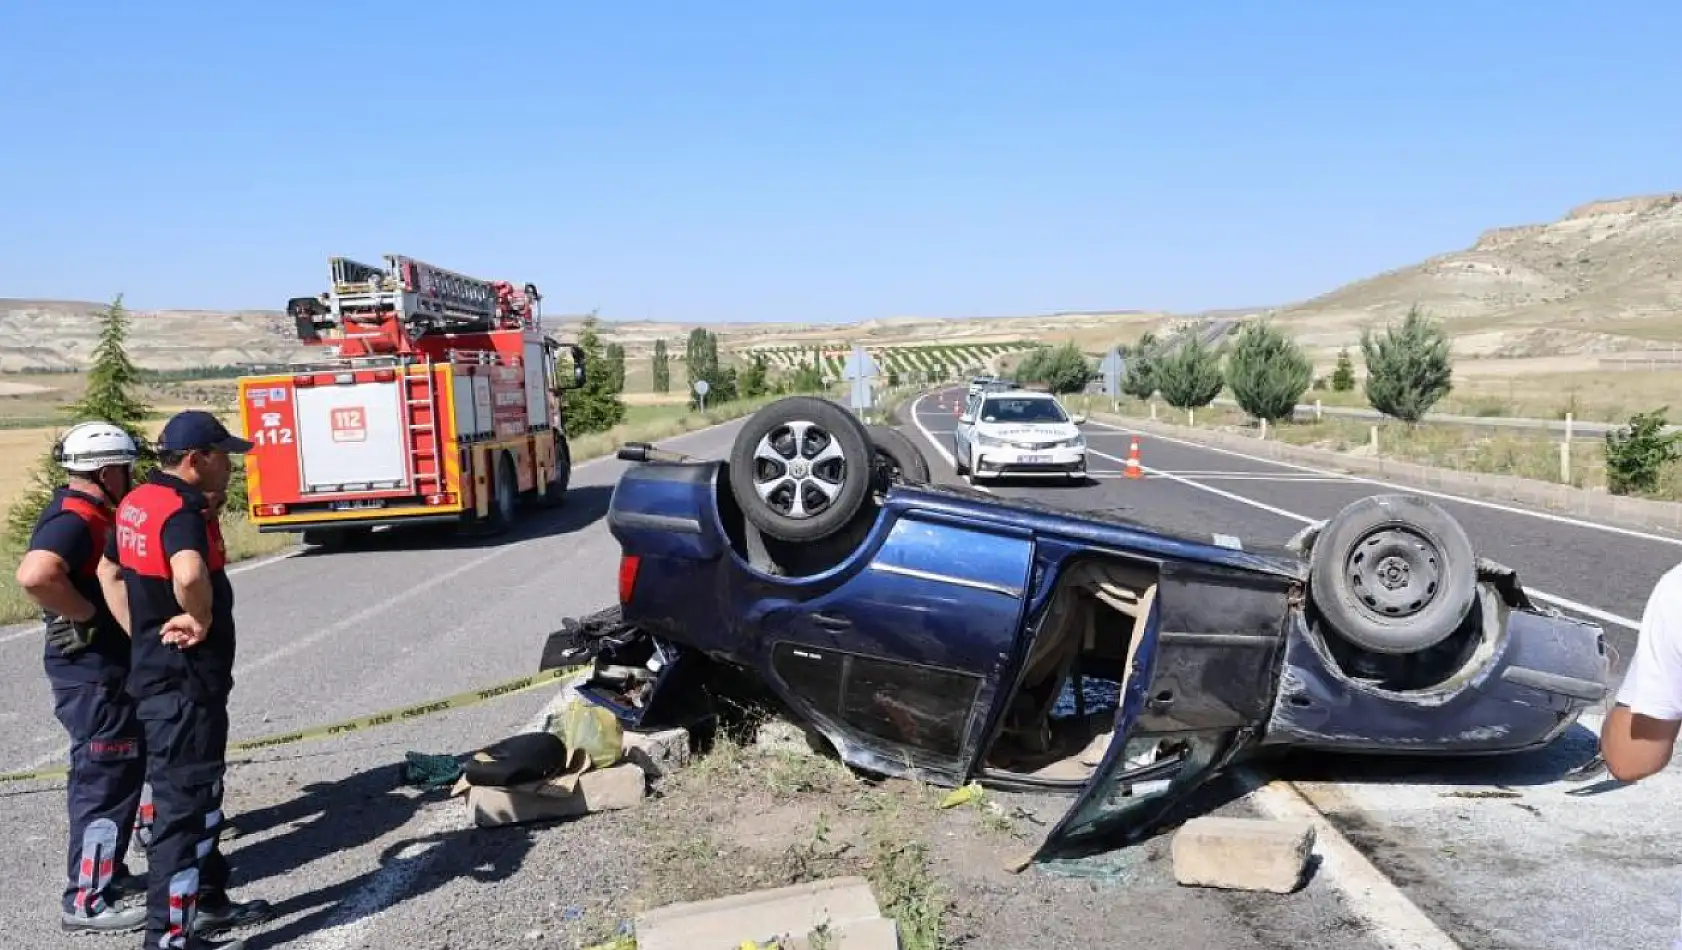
830 621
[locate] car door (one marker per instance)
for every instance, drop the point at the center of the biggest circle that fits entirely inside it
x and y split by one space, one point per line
1200 682
963 432
897 655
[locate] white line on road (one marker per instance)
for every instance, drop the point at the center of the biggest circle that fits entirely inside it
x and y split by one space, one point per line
1494 505
1544 596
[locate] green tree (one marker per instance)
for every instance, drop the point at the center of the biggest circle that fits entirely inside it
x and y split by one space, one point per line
1637 454
596 406
1189 377
1408 369
110 397
1066 370
806 379
1139 378
615 358
755 380
1031 369
662 368
1343 378
1268 372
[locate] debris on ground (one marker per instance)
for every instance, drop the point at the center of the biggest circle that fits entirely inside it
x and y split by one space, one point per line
1243 853
430 771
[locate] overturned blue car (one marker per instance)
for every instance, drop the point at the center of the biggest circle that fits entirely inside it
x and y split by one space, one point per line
941 633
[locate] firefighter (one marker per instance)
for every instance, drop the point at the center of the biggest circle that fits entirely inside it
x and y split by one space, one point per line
87 661
169 544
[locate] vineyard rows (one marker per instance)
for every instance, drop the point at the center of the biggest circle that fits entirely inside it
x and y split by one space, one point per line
901 360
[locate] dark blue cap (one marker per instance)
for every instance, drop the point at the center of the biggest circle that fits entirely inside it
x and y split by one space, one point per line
197 429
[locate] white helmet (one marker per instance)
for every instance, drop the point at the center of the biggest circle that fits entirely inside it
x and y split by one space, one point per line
91 446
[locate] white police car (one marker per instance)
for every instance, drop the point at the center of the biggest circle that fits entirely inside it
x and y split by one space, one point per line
1017 432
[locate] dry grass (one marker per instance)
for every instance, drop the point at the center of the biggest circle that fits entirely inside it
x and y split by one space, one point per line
1601 395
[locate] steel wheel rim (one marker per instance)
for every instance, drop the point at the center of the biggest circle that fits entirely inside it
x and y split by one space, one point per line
1394 572
799 469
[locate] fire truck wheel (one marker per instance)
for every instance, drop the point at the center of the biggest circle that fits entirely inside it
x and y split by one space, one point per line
555 493
506 499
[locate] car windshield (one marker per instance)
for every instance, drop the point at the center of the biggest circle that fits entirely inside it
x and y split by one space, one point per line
1022 410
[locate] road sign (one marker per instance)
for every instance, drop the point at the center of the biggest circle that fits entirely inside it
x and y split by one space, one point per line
859 365
1113 367
701 387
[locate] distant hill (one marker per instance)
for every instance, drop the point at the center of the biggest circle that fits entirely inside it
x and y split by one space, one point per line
1605 278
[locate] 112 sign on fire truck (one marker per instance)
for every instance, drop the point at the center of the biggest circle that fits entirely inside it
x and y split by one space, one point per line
437 401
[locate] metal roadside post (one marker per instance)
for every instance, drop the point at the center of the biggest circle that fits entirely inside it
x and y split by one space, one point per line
1113 367
701 387
861 369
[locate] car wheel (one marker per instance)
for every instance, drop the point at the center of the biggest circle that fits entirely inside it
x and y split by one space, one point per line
801 468
555 493
958 457
1393 573
897 459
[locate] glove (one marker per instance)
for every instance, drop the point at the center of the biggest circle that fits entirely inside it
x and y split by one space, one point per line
71 637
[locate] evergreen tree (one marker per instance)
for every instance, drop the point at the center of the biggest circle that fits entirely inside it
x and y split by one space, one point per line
1190 377
110 397
1268 372
1139 379
596 406
615 359
1408 369
1343 378
662 368
1066 370
755 380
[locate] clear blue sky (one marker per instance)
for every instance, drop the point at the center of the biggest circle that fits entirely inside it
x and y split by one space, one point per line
711 161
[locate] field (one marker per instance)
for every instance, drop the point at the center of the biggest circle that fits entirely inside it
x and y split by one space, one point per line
905 361
1539 391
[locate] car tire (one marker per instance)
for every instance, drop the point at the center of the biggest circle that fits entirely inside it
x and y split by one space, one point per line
897 456
771 468
1394 574
958 463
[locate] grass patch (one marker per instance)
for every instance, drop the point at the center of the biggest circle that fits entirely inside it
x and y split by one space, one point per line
1599 395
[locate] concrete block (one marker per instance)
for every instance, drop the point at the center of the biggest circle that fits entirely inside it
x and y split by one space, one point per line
876 933
1242 853
568 796
724 923
657 753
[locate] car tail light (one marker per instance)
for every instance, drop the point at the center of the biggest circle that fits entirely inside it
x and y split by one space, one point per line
268 511
448 498
627 576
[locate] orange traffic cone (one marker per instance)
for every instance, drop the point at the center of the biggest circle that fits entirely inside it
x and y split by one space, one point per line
1133 470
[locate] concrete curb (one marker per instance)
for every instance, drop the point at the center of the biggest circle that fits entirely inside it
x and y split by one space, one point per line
1636 513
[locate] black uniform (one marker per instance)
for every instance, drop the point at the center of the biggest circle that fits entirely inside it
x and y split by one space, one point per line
107 755
181 696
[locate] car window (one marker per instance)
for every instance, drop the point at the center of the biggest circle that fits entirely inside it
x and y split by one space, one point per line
1007 409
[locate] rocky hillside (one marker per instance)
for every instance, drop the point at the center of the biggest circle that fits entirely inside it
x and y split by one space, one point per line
1605 278
47 335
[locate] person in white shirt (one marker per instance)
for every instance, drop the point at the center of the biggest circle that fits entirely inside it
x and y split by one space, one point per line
1639 735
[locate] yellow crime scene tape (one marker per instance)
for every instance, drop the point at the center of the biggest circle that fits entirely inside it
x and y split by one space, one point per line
472 697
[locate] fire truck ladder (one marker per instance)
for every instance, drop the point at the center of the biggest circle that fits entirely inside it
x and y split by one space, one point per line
420 417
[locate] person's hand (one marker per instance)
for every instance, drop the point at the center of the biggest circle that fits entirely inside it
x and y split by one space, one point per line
184 631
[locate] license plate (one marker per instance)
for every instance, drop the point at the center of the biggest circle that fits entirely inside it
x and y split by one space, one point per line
1034 459
356 505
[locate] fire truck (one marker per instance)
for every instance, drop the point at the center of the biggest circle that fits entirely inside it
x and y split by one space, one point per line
435 400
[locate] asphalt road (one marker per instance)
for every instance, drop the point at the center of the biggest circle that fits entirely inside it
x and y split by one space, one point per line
354 859
1500 853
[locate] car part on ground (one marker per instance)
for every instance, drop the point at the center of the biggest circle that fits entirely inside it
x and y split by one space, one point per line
898 459
951 635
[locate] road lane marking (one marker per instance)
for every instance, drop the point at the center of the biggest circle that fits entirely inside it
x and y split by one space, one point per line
1481 503
1546 597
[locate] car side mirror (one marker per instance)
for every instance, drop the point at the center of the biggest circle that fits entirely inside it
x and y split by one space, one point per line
966 420
577 365
1078 420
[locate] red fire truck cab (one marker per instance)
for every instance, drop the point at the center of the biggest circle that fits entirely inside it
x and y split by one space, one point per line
436 400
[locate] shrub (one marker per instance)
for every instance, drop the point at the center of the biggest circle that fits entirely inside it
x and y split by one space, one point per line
1637 453
1408 369
1268 372
1190 377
